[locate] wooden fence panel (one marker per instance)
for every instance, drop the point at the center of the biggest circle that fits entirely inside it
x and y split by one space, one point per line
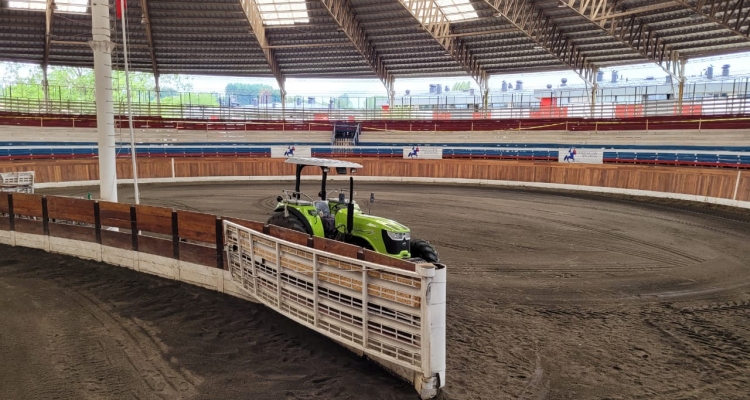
115 214
383 259
254 225
197 254
154 219
288 235
73 232
117 239
155 246
69 209
333 246
743 190
32 226
27 204
195 226
4 209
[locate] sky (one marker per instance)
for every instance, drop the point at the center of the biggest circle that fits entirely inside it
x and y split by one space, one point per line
740 65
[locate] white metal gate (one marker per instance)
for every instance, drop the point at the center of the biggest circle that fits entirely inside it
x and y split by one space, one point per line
17 182
401 327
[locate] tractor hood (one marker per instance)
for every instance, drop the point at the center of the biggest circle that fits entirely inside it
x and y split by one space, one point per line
371 221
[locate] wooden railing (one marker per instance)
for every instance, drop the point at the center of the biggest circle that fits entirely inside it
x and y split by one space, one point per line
696 181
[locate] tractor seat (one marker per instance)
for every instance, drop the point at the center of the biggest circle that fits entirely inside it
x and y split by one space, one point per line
322 206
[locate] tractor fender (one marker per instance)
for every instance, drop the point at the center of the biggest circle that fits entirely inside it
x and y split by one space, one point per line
303 218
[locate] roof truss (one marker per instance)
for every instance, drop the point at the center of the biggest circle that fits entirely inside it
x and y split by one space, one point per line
342 13
149 35
250 7
432 18
530 20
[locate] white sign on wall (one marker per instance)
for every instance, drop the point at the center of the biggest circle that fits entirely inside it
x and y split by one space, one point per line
581 156
423 152
291 151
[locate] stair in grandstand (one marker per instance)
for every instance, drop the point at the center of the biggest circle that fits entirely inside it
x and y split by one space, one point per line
345 136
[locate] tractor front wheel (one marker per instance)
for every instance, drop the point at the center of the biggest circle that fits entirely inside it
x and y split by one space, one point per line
290 222
423 249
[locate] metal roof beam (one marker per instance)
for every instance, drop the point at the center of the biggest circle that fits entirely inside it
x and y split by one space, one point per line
532 21
342 13
149 37
729 14
49 17
250 7
636 33
436 23
622 25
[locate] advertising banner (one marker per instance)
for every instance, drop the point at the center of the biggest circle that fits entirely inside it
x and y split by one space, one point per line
291 151
581 156
423 153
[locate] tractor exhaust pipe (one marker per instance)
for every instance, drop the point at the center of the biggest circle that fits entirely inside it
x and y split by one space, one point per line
350 208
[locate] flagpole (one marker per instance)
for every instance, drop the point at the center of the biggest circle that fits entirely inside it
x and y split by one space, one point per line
127 93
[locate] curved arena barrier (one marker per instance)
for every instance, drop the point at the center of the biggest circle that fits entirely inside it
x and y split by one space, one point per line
710 185
391 310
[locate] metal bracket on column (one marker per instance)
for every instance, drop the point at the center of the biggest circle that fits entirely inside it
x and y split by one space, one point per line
104 46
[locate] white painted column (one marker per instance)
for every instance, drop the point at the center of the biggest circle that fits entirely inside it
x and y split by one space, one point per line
45 86
105 118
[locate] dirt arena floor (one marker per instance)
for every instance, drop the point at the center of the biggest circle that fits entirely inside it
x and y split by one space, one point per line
550 296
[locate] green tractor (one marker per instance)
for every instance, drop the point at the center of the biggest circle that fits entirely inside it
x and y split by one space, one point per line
340 218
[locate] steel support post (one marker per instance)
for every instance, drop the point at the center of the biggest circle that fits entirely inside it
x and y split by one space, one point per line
45 86
594 90
105 118
485 101
681 83
158 94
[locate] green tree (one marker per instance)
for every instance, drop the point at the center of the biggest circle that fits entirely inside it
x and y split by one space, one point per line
76 84
245 93
343 101
192 99
466 85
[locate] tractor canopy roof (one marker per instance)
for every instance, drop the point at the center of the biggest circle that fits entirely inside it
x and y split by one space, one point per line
322 162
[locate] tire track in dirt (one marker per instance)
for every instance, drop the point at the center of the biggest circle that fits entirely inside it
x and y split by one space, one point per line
536 306
98 363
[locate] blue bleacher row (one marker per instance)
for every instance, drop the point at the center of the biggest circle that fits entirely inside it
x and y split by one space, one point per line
732 157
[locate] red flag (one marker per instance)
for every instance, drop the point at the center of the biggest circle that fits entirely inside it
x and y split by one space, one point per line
119 4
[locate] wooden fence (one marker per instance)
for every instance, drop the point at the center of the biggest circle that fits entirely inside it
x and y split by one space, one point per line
708 182
178 234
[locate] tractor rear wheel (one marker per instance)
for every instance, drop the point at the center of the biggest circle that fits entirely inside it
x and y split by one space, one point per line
423 249
290 222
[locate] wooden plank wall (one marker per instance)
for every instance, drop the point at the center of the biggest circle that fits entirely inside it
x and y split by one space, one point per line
743 189
184 235
686 180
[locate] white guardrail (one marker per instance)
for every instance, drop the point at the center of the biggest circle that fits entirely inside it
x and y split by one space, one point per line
17 182
402 326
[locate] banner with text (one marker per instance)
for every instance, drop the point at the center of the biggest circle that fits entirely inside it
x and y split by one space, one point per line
291 151
423 152
581 156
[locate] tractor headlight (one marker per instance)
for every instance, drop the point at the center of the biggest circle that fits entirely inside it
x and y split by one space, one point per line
398 236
